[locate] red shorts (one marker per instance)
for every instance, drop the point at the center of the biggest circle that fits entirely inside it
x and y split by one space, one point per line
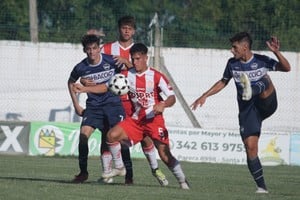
154 128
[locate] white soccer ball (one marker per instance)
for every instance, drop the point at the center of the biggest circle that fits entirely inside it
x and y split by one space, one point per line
119 84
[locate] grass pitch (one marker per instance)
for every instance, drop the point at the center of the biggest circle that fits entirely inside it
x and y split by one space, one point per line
27 177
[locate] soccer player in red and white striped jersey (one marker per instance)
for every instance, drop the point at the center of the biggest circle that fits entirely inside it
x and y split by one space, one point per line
146 85
120 50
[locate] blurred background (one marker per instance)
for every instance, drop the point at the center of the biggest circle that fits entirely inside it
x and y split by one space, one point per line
185 23
40 44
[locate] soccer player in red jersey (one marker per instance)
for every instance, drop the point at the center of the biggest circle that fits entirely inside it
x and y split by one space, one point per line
120 51
146 85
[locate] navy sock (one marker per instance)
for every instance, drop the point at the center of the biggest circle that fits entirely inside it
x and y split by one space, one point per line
260 86
83 153
127 161
256 170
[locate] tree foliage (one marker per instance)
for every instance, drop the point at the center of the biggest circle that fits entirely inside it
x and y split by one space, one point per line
185 23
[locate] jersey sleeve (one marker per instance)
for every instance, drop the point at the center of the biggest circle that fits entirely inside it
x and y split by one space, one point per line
165 86
74 75
227 75
270 63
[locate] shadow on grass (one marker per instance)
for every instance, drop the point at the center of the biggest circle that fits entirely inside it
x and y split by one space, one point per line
34 179
86 182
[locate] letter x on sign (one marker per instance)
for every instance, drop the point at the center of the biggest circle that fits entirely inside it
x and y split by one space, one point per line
11 138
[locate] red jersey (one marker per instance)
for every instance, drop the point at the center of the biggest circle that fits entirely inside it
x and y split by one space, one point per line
115 48
145 91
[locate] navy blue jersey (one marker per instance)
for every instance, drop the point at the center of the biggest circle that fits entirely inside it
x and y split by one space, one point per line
100 73
255 68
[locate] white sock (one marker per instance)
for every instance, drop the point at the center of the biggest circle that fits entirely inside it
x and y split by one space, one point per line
115 149
177 171
106 160
151 156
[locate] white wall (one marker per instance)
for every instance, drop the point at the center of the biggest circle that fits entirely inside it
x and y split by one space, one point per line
33 82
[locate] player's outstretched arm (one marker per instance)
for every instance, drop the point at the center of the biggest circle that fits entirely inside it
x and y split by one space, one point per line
217 87
274 46
78 88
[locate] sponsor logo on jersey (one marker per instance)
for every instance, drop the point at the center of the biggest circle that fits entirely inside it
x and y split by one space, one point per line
253 75
141 95
101 76
256 74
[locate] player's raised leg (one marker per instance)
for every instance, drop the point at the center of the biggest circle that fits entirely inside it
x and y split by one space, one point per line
255 89
247 90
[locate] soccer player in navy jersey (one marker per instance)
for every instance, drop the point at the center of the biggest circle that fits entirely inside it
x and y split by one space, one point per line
103 110
256 94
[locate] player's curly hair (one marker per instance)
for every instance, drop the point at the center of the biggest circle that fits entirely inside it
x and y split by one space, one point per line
242 36
89 39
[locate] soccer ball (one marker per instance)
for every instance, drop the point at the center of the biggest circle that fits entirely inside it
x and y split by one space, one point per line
119 84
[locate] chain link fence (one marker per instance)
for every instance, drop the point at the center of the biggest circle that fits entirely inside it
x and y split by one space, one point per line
33 76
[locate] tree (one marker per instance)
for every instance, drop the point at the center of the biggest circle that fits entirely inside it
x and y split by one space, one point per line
185 23
14 20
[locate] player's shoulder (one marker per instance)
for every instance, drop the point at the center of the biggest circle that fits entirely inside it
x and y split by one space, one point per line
154 70
233 60
107 59
107 56
108 44
261 57
156 74
82 63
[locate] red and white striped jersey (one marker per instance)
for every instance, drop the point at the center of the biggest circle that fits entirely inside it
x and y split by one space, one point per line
115 48
146 90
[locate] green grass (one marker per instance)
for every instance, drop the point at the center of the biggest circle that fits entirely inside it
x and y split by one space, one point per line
26 177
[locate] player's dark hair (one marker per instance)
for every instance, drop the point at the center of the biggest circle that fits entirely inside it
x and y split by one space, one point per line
138 48
242 36
127 20
89 39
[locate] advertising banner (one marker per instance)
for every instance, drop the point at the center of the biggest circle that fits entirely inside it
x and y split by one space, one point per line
273 148
295 148
187 144
51 138
217 146
14 137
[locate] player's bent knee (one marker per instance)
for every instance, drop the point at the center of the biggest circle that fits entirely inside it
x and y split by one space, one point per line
116 134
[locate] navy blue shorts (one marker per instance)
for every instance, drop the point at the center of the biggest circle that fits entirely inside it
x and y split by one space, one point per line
254 112
104 117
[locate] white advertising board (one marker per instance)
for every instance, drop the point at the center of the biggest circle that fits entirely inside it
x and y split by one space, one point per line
221 146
